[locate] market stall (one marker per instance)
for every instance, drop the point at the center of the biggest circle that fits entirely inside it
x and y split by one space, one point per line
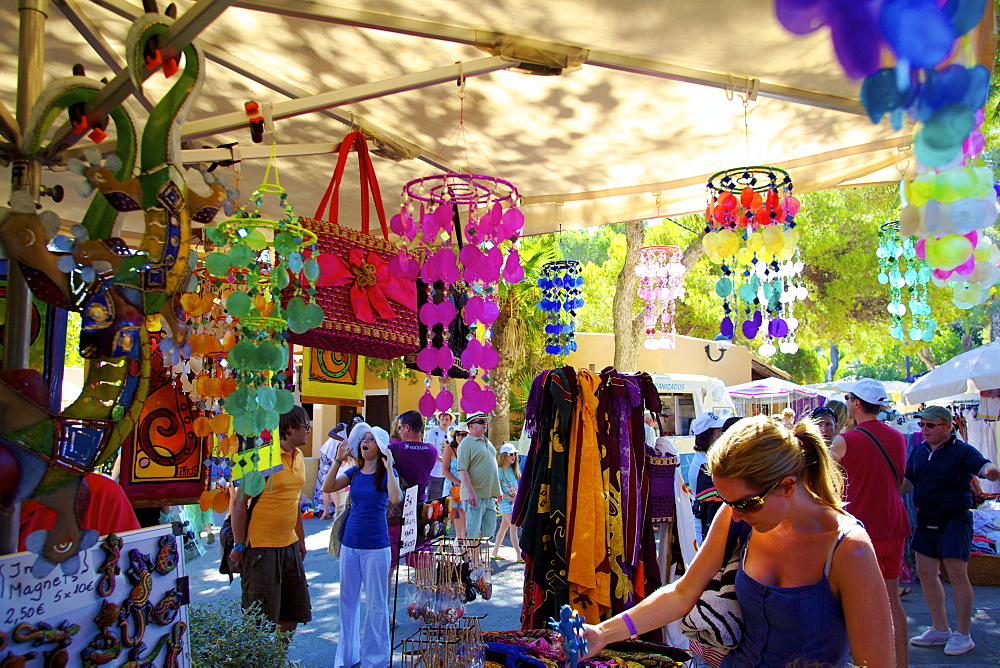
192 303
770 396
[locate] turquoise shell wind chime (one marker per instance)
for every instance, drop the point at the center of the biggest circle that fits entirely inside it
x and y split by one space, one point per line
901 269
932 78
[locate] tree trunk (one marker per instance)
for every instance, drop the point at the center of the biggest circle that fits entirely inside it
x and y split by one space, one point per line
500 376
831 370
627 329
393 384
452 386
925 356
994 319
968 341
500 424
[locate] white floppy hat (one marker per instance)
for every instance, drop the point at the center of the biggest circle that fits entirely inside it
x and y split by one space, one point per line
868 390
362 428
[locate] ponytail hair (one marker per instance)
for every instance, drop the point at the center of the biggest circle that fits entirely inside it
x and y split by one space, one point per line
761 451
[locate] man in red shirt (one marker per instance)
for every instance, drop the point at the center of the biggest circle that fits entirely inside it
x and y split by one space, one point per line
109 511
873 455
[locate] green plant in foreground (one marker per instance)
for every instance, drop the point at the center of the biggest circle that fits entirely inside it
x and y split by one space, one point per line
223 635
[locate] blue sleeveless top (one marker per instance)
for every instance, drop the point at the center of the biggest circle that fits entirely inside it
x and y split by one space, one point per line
791 625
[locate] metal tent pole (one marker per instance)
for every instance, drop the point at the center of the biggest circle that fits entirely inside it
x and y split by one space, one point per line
25 176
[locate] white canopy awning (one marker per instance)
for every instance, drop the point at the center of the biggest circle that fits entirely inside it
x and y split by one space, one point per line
649 104
770 387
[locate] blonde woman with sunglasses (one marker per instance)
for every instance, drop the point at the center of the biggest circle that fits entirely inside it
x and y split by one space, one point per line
808 582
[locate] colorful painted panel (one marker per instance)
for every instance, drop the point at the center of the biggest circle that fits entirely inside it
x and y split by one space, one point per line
162 459
331 377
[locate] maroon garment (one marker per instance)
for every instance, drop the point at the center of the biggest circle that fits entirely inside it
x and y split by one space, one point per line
872 494
661 504
414 463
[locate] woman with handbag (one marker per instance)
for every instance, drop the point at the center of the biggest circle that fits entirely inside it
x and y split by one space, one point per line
365 555
806 578
449 467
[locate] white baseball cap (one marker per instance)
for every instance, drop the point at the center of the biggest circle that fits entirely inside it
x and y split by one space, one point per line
706 421
868 390
508 449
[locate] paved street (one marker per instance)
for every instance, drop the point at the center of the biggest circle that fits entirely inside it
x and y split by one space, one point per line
315 642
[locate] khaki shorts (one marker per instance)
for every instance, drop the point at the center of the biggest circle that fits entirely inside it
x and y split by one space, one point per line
275 578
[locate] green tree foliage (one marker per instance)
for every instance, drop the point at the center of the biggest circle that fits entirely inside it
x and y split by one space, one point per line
73 358
806 366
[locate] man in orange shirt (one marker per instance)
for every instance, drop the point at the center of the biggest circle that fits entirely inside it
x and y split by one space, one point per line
269 551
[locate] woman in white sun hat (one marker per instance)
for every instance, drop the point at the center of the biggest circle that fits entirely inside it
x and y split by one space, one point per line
365 554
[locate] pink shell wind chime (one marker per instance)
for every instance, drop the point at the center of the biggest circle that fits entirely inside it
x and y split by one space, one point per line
661 284
459 267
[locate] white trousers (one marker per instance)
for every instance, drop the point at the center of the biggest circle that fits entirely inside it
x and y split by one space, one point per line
367 570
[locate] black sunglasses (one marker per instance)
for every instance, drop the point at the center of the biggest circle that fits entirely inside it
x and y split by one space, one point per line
478 422
751 504
461 433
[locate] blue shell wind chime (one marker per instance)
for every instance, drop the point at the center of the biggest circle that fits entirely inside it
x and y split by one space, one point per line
561 282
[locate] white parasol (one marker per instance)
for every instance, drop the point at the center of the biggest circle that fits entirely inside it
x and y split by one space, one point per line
973 371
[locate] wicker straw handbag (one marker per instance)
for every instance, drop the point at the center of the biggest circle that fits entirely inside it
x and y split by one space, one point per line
368 311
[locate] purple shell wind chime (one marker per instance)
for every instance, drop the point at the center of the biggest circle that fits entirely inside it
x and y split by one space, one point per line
661 284
459 263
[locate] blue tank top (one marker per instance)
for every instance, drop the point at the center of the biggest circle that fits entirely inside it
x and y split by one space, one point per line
791 625
366 527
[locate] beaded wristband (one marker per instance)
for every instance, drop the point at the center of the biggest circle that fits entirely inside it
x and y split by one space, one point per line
633 632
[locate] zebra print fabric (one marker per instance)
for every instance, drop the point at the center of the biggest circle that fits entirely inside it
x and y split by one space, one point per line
716 621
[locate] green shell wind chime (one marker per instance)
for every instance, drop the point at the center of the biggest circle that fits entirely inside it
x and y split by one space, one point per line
261 266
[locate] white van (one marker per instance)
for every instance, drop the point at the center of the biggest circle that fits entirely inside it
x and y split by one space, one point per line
686 396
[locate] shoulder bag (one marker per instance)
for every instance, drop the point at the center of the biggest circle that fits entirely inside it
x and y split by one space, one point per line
715 624
337 528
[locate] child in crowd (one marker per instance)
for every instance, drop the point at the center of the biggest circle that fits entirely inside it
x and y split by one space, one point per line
507 464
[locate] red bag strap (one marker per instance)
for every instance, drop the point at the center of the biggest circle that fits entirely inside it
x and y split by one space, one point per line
357 141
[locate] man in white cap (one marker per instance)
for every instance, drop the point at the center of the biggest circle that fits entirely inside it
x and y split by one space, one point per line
477 468
438 437
940 473
873 455
707 428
